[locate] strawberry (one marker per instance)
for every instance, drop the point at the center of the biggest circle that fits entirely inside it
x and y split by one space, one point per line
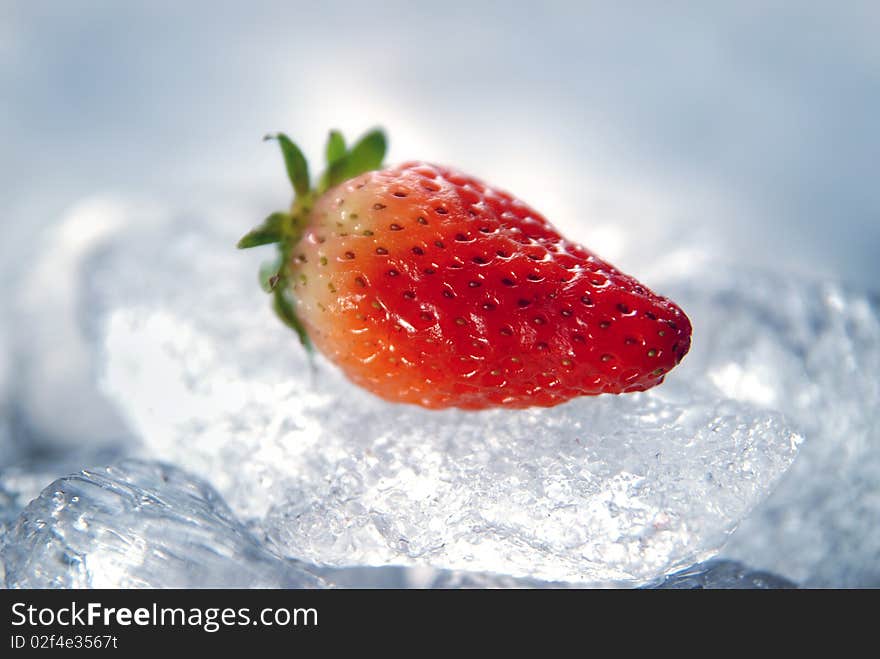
427 286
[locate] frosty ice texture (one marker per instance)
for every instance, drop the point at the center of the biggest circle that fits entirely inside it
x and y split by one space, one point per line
23 481
610 489
138 524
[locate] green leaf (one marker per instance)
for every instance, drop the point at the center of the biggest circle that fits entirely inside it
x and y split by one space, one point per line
335 147
270 274
284 309
270 231
364 156
295 161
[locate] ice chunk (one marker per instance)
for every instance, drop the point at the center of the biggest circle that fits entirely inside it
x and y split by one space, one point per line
138 524
23 481
601 490
621 489
811 350
18 486
723 574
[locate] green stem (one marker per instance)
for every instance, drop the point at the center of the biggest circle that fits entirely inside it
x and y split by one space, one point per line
286 229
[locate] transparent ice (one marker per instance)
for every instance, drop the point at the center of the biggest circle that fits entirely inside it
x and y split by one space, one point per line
138 525
601 490
149 525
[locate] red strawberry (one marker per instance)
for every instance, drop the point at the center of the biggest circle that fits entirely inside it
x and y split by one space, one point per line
427 286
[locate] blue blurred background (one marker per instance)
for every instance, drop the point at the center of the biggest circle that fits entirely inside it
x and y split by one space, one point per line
749 126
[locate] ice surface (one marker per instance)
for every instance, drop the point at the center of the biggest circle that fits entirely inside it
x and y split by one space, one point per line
723 574
138 524
21 484
22 478
610 489
18 486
